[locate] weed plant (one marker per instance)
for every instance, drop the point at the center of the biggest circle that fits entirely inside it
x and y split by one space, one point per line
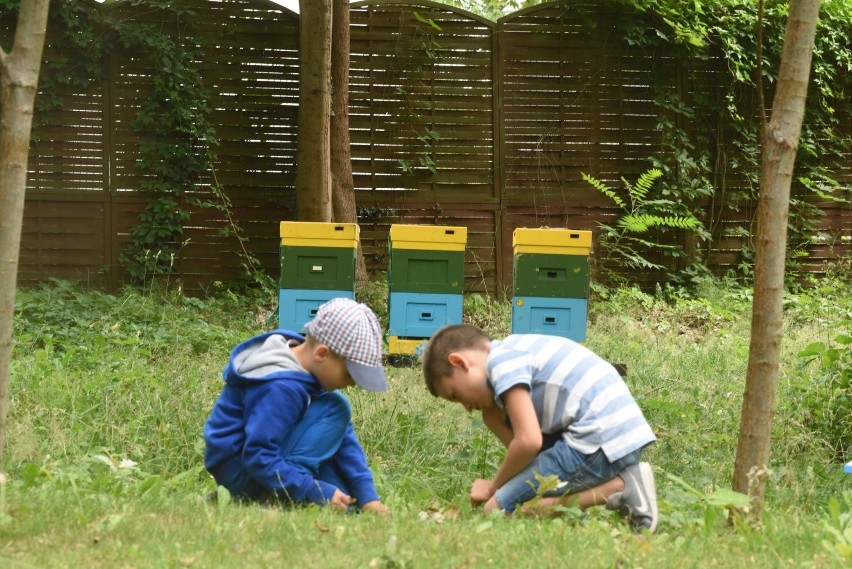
109 395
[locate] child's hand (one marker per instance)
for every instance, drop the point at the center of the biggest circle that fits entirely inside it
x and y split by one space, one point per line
376 507
340 500
481 491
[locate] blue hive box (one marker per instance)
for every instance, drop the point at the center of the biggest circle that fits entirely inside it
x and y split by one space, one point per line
564 317
297 307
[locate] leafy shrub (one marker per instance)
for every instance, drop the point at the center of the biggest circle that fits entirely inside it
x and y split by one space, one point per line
62 315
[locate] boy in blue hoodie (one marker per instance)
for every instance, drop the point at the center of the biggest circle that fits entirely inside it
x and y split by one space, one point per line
281 430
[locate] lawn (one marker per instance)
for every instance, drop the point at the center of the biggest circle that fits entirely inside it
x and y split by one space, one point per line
109 395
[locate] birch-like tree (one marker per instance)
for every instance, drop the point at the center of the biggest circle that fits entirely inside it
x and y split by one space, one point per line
780 141
18 82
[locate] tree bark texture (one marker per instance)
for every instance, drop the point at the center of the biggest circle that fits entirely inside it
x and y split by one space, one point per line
313 184
342 185
780 141
18 81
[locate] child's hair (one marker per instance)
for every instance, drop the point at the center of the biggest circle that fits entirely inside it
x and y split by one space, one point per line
454 338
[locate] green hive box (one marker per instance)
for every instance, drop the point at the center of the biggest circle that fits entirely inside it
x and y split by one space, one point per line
548 275
426 271
317 268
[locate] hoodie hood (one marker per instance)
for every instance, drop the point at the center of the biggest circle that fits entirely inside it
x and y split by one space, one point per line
264 358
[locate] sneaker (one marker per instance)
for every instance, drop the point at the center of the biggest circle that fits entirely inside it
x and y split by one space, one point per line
638 501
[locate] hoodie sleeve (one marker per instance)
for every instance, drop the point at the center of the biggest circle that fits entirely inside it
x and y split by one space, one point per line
270 411
351 463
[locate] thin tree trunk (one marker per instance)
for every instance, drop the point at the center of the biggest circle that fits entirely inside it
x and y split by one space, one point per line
780 139
342 185
313 184
18 81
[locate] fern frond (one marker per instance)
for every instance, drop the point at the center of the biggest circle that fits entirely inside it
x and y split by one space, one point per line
599 186
680 222
637 223
640 223
644 183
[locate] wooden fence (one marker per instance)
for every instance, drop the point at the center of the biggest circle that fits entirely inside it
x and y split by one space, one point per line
454 120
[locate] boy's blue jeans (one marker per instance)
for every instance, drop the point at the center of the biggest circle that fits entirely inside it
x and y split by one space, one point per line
579 472
309 446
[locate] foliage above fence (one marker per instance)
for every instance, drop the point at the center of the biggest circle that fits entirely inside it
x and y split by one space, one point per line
167 130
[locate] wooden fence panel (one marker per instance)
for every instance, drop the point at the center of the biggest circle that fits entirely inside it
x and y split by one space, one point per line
454 120
88 143
63 237
574 100
420 109
68 154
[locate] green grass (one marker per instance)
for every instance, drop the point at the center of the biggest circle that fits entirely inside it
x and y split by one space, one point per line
101 379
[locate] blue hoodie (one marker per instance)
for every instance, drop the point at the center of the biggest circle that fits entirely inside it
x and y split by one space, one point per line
266 392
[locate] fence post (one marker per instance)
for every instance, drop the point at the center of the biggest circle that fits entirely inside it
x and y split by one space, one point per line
499 175
110 230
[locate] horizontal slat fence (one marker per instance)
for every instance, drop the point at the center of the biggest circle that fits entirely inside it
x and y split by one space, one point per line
454 120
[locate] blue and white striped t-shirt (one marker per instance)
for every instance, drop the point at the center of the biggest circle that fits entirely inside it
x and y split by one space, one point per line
574 392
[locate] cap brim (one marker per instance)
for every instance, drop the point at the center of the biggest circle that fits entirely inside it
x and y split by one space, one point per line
369 378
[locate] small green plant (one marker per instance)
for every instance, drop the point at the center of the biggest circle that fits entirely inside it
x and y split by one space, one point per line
624 241
838 528
826 390
546 484
714 501
375 295
491 315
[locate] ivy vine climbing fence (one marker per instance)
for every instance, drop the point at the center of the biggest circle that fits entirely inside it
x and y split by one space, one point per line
454 120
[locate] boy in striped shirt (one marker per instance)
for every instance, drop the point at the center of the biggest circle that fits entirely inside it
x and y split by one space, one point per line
559 409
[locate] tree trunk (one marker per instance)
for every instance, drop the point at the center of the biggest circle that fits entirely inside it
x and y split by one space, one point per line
18 81
780 139
342 185
313 186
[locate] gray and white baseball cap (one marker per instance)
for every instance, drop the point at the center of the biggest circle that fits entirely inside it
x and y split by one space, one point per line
352 331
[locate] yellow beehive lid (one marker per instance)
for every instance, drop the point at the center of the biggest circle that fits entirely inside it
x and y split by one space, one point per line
319 234
550 240
404 346
429 237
